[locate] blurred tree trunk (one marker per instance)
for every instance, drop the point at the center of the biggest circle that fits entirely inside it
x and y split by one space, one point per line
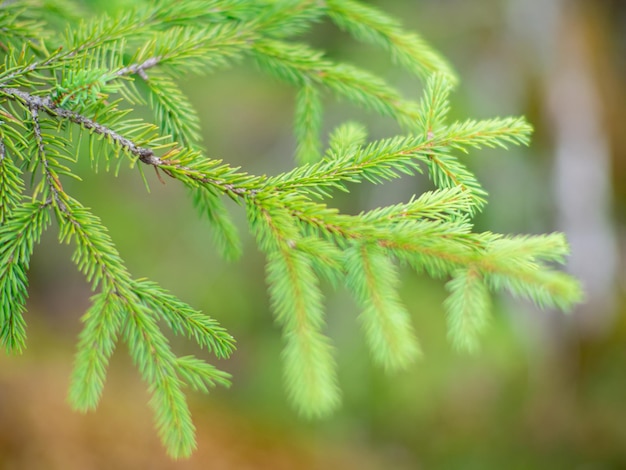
579 72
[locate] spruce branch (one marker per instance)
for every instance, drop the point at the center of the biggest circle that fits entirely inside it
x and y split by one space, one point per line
139 68
386 322
36 103
225 234
372 25
309 363
53 92
345 138
298 64
96 344
308 121
53 184
20 231
467 308
11 184
182 319
157 364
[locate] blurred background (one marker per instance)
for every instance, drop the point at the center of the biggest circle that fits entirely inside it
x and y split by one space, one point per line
547 390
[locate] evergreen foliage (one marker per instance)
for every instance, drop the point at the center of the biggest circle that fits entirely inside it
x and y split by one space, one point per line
58 90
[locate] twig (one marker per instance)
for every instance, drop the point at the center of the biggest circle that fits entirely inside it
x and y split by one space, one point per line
51 179
144 154
140 69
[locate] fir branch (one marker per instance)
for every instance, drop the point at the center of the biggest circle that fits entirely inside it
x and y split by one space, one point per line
309 366
372 25
173 109
298 64
447 172
199 375
139 68
487 133
182 319
36 103
85 87
18 235
325 256
95 255
288 18
434 105
310 374
467 308
225 235
388 158
386 322
11 185
157 364
15 29
96 344
308 121
433 205
345 139
53 184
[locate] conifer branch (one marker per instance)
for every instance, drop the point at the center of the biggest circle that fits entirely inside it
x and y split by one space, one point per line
20 231
85 84
386 321
467 308
36 103
11 184
308 122
139 68
372 25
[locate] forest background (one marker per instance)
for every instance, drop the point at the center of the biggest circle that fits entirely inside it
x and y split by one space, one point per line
545 391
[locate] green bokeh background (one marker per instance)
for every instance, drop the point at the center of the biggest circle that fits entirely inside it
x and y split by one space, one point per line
546 390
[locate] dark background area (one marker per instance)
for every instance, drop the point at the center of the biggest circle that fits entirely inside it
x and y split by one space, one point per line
547 390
